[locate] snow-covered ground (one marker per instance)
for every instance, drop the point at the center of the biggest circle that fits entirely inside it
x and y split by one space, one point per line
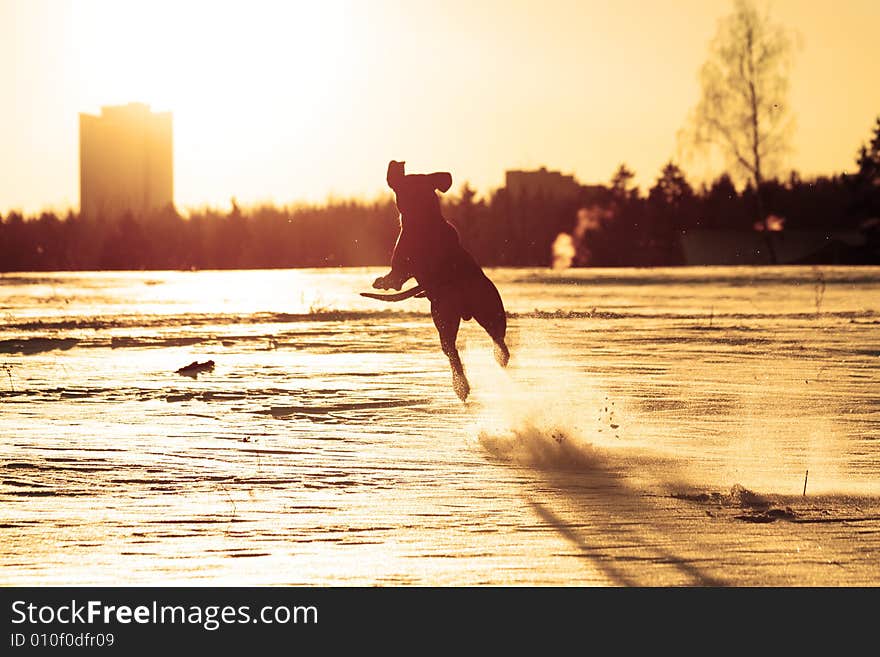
654 427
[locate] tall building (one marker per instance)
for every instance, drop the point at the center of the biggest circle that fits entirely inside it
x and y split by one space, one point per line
125 161
549 184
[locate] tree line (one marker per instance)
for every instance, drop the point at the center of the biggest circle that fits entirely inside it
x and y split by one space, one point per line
613 224
617 225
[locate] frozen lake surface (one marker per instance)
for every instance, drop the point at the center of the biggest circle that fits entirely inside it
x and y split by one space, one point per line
654 427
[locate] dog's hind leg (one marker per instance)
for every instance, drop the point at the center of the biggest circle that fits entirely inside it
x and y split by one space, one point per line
502 353
491 316
447 320
496 330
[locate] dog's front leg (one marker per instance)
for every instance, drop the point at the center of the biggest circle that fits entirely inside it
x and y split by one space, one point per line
401 263
391 280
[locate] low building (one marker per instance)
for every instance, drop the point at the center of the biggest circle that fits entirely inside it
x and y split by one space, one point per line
738 247
541 183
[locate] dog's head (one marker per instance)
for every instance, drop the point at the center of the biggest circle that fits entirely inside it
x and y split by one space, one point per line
416 193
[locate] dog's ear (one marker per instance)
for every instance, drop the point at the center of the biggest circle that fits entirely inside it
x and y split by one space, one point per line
441 181
395 173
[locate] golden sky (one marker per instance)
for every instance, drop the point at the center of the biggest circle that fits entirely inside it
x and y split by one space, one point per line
279 101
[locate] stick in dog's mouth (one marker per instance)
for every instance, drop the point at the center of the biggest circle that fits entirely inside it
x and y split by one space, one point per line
417 291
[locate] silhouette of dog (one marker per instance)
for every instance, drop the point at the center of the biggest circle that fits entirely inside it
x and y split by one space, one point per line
429 249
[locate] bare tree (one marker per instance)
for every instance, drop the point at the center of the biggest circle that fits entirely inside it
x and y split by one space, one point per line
743 109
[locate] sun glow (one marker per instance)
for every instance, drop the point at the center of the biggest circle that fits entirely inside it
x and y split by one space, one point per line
295 100
239 78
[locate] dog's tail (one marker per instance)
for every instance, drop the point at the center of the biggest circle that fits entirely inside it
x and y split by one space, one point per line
417 291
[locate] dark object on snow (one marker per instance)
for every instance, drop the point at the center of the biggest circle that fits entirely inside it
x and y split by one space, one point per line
770 515
195 368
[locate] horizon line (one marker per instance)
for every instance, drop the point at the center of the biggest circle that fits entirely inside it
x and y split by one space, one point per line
382 196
